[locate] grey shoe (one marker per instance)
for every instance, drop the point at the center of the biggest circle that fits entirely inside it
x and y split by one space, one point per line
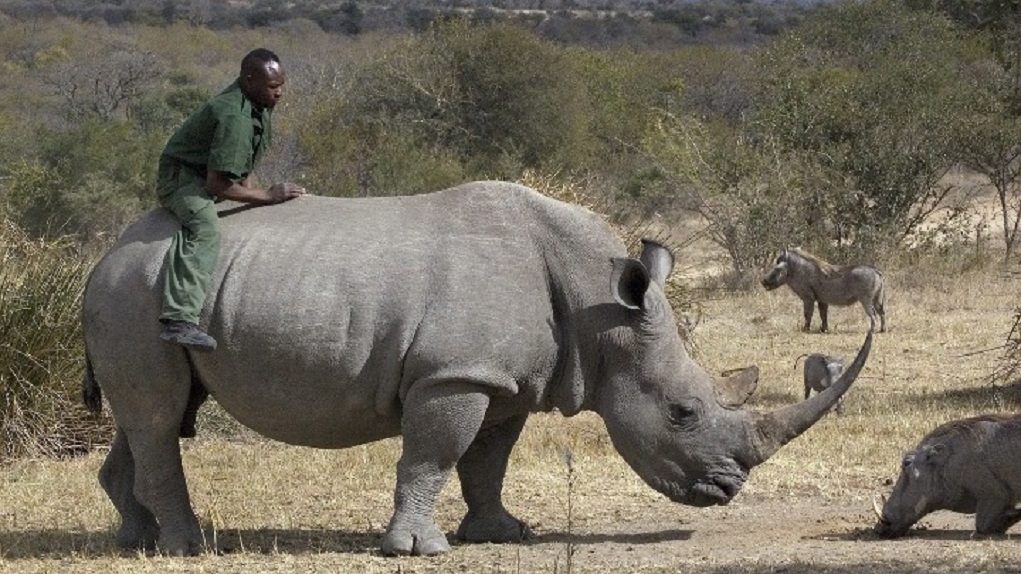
187 334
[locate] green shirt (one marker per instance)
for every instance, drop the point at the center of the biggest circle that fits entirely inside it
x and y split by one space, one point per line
228 133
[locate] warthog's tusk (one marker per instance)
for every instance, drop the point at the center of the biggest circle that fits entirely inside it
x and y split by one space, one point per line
877 507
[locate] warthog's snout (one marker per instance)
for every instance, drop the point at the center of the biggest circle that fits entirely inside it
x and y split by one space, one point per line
883 526
770 283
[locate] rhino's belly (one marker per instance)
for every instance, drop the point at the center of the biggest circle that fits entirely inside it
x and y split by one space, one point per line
300 400
317 421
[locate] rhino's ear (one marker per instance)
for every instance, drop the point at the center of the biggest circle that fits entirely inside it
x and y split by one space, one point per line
737 385
629 281
658 260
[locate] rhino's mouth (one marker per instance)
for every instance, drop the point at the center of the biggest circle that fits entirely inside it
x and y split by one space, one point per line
714 491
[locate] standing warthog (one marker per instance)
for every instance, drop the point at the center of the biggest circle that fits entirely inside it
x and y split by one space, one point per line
821 372
968 465
815 281
446 318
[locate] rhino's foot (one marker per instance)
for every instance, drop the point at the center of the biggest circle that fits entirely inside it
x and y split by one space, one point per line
493 527
416 541
179 547
185 541
134 537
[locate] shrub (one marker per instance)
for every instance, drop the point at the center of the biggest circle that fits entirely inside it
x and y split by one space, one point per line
41 348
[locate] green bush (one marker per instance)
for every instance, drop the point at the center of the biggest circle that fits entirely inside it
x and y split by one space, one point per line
41 350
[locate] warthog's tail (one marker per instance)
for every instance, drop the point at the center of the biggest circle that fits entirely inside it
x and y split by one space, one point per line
92 395
798 358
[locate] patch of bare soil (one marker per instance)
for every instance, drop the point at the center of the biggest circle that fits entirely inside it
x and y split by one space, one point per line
803 534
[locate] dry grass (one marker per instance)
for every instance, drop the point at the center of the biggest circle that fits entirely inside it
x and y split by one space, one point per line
273 508
41 348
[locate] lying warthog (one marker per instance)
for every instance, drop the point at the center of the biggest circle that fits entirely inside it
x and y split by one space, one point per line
815 281
821 372
446 318
969 465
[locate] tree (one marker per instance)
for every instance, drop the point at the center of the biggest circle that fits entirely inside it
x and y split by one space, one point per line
756 196
992 148
1000 20
455 95
103 86
874 91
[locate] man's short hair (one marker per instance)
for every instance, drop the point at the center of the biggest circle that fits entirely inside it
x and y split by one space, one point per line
258 57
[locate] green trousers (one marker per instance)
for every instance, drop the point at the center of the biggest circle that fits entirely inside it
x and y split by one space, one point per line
192 257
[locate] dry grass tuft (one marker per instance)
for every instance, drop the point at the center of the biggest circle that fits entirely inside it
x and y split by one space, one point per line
41 353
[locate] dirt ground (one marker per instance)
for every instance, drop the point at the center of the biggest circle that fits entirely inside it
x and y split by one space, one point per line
806 534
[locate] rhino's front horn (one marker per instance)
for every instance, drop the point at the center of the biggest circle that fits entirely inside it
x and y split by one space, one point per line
779 427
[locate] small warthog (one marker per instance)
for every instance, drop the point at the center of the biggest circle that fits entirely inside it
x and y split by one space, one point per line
969 465
816 281
821 371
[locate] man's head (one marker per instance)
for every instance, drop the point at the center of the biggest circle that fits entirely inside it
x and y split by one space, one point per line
262 77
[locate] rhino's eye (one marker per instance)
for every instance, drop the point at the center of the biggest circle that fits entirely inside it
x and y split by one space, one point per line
680 414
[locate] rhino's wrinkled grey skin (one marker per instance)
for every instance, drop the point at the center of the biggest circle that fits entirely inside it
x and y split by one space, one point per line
446 318
822 371
815 281
971 465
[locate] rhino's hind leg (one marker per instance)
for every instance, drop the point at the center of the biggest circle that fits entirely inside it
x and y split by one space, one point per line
482 470
440 421
159 485
139 529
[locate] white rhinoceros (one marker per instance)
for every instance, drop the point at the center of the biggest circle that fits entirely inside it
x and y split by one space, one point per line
446 318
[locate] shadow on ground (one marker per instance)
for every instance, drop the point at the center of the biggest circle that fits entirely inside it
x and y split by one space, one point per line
51 544
868 535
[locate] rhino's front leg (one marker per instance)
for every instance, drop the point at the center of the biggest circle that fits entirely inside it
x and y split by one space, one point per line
481 470
440 421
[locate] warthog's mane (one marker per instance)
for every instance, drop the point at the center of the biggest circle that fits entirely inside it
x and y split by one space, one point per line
970 428
824 268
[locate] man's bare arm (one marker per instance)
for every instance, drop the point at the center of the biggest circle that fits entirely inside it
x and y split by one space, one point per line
221 186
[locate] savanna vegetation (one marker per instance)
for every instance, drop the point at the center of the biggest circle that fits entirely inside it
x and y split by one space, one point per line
863 131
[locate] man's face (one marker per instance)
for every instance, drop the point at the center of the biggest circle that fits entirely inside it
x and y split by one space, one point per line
264 86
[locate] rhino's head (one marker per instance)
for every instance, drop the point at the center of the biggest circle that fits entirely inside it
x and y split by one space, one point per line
667 417
777 276
917 491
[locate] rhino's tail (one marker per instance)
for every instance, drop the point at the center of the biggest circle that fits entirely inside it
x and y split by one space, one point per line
92 395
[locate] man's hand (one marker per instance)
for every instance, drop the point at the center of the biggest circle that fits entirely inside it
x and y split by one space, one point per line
281 192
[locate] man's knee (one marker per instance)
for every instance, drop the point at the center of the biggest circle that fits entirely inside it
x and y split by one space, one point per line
204 224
